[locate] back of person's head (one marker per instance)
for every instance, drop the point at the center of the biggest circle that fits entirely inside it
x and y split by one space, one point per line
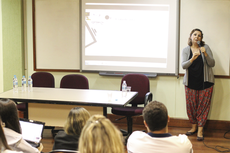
3 142
9 114
76 120
155 115
100 136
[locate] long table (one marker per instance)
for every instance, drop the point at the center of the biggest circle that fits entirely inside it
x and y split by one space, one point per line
41 102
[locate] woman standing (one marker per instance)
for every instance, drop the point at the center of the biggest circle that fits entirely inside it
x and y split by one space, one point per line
197 60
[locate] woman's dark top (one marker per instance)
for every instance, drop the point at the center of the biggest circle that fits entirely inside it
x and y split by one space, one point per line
65 141
196 74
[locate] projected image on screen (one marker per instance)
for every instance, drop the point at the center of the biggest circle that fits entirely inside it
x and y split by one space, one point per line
123 37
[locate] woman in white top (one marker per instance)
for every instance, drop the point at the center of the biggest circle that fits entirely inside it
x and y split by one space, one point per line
12 129
3 144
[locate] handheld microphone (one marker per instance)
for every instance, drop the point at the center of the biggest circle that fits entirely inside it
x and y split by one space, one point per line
198 43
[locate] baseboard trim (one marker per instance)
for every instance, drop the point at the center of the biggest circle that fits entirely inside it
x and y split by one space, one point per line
175 122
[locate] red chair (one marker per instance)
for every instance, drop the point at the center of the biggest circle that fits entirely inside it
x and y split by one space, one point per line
40 79
74 81
43 79
139 83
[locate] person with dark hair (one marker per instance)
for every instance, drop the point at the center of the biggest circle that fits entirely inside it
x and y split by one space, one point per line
197 60
4 147
12 129
69 138
157 140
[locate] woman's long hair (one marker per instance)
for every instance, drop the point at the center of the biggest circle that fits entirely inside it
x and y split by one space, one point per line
3 142
100 136
76 120
9 115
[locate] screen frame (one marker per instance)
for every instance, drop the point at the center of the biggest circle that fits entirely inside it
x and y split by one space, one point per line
131 70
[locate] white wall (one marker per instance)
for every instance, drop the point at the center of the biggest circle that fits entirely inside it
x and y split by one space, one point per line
212 17
1 53
167 89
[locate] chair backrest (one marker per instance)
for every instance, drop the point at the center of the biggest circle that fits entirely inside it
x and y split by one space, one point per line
63 151
74 81
43 79
139 83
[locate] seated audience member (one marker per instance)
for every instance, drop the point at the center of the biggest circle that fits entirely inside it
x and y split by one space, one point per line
68 139
100 136
4 147
12 129
157 140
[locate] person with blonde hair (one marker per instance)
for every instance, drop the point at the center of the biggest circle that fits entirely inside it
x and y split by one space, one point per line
12 129
100 136
68 139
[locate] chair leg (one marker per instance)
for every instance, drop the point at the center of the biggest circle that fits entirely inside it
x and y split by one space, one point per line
26 113
124 132
130 124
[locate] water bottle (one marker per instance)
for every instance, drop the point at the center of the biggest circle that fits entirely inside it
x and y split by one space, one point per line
15 84
124 86
23 83
30 84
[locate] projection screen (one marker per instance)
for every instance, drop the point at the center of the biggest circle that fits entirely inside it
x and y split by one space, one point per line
130 35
